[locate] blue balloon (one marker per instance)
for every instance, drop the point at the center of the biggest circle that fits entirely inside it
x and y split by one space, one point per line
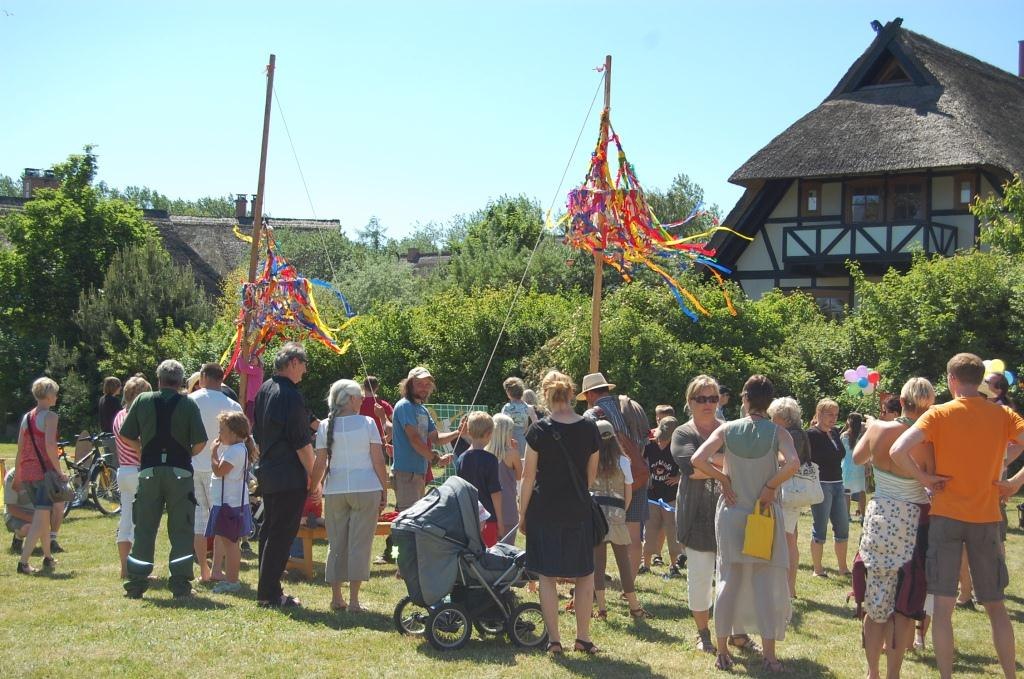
1009 377
862 383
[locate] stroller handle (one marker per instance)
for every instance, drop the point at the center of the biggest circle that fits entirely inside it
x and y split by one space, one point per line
513 530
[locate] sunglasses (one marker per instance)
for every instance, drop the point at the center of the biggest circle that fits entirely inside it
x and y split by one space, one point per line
705 399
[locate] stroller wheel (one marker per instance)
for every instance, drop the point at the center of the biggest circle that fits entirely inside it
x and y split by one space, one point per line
449 627
526 626
410 618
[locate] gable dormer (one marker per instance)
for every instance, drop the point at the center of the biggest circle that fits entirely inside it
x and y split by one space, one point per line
885 64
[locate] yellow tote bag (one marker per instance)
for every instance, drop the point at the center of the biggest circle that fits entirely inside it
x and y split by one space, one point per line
760 532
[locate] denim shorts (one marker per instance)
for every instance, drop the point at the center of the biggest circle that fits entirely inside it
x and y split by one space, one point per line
831 509
639 510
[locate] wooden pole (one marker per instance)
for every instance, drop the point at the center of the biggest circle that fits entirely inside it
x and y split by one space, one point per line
257 214
595 305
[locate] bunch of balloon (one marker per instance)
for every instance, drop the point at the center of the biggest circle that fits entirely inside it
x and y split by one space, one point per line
861 380
996 366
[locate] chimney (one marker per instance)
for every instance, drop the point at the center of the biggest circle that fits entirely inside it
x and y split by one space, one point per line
37 179
241 206
252 206
1020 58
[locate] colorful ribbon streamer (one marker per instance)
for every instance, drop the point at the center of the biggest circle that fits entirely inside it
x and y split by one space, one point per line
615 222
280 303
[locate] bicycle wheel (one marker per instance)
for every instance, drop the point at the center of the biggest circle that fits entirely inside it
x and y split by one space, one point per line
104 491
81 493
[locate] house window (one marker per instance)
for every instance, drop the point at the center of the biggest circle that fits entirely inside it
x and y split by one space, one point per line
964 191
810 201
906 199
864 201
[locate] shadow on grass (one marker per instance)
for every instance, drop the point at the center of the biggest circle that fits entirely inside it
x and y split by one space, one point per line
340 620
602 666
800 667
196 603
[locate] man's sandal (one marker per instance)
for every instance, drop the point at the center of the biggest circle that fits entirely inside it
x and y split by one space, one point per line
587 647
554 648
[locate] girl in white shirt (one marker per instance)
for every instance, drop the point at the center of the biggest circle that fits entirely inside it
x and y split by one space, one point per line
229 494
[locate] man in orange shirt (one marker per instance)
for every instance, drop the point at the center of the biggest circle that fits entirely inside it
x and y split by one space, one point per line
970 436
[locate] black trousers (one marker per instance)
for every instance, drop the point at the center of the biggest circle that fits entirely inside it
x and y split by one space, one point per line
282 513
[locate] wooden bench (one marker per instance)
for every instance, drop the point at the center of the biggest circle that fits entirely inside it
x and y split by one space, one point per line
307 534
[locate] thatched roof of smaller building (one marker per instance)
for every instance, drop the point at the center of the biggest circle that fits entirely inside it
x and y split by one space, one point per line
955 111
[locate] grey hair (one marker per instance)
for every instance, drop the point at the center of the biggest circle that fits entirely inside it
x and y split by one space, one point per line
170 373
338 397
786 408
288 352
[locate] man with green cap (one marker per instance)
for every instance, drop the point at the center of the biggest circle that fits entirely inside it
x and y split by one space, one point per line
167 429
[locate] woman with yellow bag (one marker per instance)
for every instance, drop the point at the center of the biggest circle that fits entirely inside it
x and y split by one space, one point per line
753 558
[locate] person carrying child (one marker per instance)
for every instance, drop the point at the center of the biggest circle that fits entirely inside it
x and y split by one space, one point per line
612 491
521 413
480 467
230 515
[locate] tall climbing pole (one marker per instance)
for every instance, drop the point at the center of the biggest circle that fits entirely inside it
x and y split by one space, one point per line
595 306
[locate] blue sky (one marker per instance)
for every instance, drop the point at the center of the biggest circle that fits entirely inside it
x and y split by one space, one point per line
420 111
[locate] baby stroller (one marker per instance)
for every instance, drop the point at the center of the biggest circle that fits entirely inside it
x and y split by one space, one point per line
455 584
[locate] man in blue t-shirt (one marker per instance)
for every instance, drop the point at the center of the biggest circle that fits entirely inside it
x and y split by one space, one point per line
414 436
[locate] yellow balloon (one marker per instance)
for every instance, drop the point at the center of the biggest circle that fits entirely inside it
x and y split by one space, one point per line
997 366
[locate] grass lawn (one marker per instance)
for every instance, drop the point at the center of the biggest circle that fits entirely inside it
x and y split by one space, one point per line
77 622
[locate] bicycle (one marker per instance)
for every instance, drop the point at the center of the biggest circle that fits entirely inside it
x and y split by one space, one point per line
93 478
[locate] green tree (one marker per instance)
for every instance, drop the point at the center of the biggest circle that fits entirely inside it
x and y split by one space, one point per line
316 254
144 290
146 198
373 236
62 242
10 187
909 324
1002 218
676 203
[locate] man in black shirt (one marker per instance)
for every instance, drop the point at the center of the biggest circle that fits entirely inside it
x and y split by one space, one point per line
286 458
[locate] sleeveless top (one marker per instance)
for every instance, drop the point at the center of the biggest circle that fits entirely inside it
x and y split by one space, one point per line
750 460
895 487
31 470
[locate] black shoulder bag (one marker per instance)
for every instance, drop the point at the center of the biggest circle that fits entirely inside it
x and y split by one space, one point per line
597 519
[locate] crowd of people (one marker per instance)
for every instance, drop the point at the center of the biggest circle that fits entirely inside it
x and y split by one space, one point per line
702 485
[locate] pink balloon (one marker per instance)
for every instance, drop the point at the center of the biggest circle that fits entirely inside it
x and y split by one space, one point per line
850 375
862 371
869 389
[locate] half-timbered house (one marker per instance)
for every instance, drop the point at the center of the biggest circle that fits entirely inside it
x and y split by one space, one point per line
887 165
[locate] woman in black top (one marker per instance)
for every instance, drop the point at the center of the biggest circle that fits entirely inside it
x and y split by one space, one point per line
110 404
827 452
554 507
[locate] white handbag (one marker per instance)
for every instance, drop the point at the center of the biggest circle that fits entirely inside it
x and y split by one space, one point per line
803 489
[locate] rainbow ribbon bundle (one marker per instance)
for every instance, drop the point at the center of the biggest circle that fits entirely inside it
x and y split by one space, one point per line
280 303
615 221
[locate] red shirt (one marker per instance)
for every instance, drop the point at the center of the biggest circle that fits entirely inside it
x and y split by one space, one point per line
29 467
126 455
367 409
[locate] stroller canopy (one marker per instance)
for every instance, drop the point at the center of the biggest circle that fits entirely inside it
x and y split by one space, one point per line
431 534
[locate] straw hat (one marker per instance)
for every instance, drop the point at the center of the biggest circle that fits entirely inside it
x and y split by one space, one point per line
593 381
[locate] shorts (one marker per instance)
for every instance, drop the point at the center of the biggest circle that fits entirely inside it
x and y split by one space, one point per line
13 523
638 510
37 491
985 557
203 501
409 488
790 517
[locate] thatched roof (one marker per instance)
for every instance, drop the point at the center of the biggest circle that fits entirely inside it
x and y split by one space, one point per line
955 111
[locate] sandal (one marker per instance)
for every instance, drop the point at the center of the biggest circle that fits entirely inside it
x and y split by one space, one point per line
587 647
744 643
823 575
724 662
640 614
600 614
26 569
288 601
773 666
570 607
704 642
338 607
554 648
